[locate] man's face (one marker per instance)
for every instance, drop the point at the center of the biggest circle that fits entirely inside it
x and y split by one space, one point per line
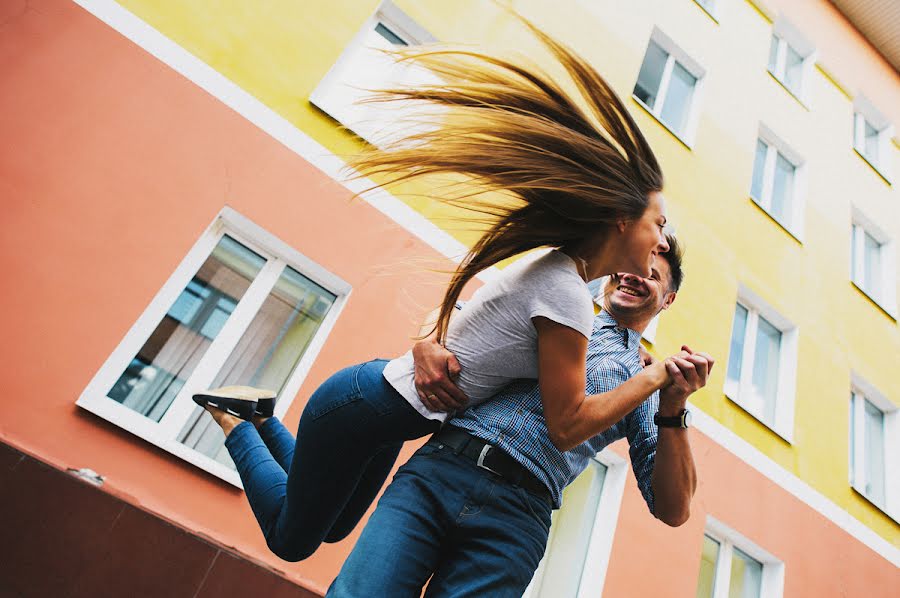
638 300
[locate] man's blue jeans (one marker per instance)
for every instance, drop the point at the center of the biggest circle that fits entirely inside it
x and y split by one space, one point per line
443 515
317 489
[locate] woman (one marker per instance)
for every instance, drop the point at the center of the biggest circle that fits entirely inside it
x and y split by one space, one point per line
583 183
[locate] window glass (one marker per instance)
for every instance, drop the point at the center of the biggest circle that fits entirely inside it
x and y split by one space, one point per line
159 369
678 98
746 576
874 452
782 190
793 69
759 169
765 366
570 535
737 343
853 399
389 35
871 142
707 581
650 75
872 264
773 54
267 353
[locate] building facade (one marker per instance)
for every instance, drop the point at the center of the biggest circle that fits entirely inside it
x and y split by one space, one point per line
177 215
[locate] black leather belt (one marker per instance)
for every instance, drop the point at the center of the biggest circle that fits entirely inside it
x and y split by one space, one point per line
491 458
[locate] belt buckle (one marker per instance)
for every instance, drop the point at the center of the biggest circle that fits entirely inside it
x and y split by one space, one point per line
480 462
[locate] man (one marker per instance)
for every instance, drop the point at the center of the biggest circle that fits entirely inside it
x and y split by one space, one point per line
471 509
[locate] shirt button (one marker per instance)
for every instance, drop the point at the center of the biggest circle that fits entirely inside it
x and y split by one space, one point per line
520 411
500 437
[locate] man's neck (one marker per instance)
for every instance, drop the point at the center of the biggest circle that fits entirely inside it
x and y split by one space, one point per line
636 324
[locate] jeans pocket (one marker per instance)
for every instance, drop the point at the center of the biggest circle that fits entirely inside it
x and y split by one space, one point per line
337 391
370 384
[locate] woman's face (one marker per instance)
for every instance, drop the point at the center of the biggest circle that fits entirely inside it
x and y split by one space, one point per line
643 239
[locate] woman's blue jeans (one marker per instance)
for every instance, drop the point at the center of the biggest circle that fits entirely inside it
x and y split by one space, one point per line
317 489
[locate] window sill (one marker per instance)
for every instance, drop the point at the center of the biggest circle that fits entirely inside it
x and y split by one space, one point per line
891 313
734 398
133 423
874 167
882 508
781 225
789 90
678 137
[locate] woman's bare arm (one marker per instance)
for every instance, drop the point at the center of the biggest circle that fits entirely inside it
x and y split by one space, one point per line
572 416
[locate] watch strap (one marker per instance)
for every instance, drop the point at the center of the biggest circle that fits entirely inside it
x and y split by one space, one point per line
677 421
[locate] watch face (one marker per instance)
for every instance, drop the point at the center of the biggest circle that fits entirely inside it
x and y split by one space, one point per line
686 418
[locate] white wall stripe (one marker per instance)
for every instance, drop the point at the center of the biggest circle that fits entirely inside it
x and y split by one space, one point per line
791 483
307 148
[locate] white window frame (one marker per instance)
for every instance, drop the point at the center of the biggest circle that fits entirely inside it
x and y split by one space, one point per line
596 559
740 393
789 35
864 391
165 432
776 146
887 298
675 54
772 583
339 92
865 112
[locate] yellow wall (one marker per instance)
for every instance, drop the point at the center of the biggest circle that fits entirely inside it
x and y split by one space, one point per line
279 50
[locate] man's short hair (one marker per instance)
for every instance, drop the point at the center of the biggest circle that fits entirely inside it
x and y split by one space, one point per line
673 256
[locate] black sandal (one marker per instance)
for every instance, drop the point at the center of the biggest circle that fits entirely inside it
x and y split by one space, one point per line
240 401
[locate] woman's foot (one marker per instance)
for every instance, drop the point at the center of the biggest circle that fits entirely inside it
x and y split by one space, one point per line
225 420
237 402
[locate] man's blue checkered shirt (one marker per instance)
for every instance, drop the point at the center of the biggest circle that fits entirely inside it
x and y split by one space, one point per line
514 419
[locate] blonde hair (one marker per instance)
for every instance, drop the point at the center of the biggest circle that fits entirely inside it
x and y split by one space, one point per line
569 173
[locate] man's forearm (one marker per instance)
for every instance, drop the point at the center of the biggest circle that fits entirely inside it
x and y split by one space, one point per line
674 478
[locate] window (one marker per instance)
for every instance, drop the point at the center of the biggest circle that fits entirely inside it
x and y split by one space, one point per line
872 133
668 86
776 184
581 535
364 67
874 423
790 58
243 308
733 567
872 263
761 371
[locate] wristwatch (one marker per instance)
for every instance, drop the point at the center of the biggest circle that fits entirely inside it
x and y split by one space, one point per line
682 420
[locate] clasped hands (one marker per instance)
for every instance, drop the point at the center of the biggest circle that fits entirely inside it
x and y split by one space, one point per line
436 370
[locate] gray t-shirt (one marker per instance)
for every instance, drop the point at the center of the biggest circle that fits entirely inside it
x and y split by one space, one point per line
493 336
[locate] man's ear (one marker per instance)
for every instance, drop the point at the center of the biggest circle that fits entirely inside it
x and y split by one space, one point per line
670 298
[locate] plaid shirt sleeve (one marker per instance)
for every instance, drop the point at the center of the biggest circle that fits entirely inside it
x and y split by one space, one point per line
642 436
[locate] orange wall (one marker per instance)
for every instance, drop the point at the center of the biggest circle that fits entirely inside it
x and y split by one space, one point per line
112 166
821 560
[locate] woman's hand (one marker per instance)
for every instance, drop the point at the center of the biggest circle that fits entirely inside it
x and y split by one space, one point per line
646 358
436 370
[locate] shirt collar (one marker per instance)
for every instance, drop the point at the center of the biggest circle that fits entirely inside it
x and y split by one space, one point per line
630 337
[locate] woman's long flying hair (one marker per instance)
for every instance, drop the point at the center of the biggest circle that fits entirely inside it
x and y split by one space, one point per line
566 174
